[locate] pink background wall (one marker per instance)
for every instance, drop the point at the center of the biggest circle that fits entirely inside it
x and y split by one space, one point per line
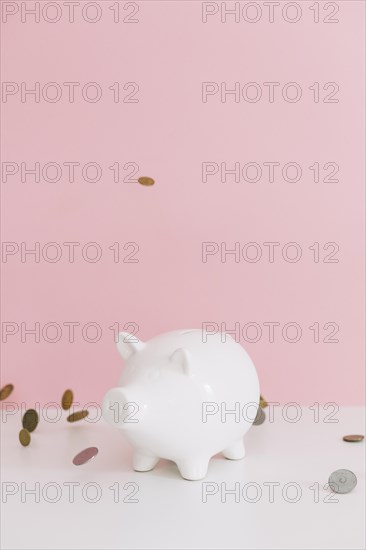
169 133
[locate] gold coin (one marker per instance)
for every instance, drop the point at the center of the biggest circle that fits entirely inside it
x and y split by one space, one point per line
262 402
78 415
6 391
67 400
144 180
353 438
30 420
24 437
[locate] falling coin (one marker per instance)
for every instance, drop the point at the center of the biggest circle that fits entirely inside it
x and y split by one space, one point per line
144 180
6 391
353 438
24 437
260 418
78 415
342 481
30 420
84 456
67 400
262 402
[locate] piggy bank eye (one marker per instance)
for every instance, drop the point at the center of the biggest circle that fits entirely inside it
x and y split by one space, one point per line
154 375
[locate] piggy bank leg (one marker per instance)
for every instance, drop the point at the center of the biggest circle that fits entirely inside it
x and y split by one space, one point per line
143 463
193 469
236 451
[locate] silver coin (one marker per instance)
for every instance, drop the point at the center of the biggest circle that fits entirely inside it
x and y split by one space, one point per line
260 418
84 456
342 481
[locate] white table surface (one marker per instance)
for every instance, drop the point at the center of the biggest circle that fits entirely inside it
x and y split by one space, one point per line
170 512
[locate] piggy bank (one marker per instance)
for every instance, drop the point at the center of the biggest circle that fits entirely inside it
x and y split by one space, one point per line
183 396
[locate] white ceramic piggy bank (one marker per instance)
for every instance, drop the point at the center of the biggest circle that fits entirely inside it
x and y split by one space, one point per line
184 396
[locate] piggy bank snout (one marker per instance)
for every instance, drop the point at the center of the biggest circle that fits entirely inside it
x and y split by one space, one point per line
120 409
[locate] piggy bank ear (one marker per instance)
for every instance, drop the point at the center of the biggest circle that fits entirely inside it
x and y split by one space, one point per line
128 344
182 360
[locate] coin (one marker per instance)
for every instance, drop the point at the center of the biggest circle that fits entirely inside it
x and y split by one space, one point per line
67 400
84 456
353 438
263 403
260 418
342 481
30 420
78 415
6 391
144 180
24 437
